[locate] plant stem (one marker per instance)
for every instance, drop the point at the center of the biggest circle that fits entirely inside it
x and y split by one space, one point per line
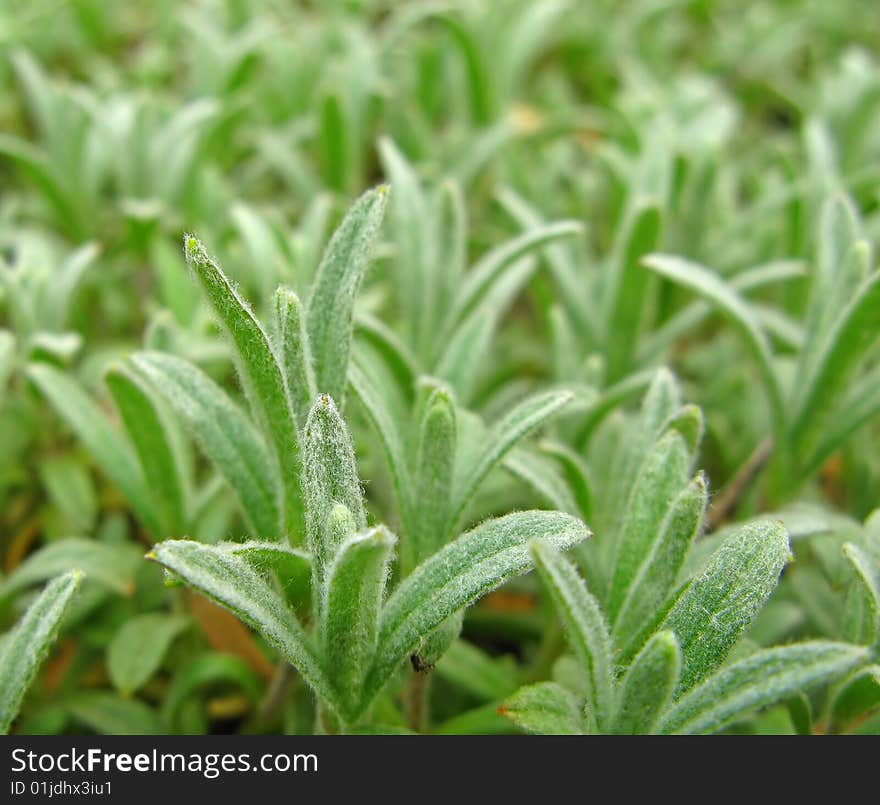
417 700
278 687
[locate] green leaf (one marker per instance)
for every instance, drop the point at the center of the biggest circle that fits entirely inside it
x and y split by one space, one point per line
260 375
295 353
113 566
713 289
355 589
154 440
91 427
210 670
471 669
822 382
515 425
471 566
385 422
585 628
69 483
224 433
765 677
663 560
719 604
478 282
661 477
329 479
628 286
25 648
857 695
647 686
868 569
138 648
109 714
545 709
330 308
232 582
435 467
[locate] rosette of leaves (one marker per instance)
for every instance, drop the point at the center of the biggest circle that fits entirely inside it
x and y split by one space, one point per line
654 616
312 581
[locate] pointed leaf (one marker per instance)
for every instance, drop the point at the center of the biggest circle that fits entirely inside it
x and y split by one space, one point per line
355 589
471 566
138 648
545 709
648 685
585 628
25 648
225 435
232 582
260 375
154 439
766 677
330 308
294 353
720 604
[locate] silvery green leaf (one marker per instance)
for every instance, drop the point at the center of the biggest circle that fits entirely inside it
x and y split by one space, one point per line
627 286
435 467
329 479
330 309
715 290
260 375
294 352
157 445
719 604
110 451
585 628
665 555
545 708
765 677
662 475
232 582
113 566
647 686
503 435
355 590
467 568
868 569
138 648
225 435
24 649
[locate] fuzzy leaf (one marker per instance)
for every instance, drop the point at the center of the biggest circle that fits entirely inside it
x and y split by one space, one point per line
659 569
154 440
474 564
435 466
585 628
661 477
138 648
713 289
109 450
545 709
224 433
647 686
718 605
329 479
232 582
294 353
26 646
515 425
765 677
260 375
355 589
868 569
330 309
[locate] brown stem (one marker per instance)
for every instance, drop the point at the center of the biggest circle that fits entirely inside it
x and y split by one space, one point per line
725 504
417 700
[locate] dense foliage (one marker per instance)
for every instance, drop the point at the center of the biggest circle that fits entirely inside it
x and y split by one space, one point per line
347 316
